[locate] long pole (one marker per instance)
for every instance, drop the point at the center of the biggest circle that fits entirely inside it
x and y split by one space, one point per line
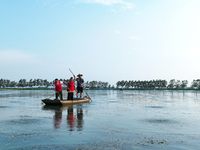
81 85
51 95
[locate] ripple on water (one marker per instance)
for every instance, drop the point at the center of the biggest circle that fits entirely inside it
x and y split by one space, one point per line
112 101
23 121
154 107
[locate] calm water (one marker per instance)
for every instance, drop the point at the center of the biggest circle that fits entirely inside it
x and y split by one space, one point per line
114 120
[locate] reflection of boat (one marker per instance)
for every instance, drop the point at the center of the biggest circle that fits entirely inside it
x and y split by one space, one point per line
56 107
65 101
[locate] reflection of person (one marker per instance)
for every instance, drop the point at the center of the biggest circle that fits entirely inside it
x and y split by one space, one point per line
79 119
70 118
70 89
80 83
58 89
58 119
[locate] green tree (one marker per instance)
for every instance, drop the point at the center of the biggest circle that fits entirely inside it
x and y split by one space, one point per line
183 84
194 84
20 83
122 83
1 83
13 84
178 84
118 84
164 83
106 84
127 84
171 84
46 83
30 83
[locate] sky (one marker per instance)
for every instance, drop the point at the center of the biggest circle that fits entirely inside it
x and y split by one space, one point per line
105 40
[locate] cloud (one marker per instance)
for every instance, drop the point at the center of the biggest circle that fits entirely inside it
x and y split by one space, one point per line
135 48
117 32
124 5
17 57
134 38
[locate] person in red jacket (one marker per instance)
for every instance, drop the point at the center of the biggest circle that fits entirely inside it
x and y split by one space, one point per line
58 89
70 89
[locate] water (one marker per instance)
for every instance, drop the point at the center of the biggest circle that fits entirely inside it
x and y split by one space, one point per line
114 120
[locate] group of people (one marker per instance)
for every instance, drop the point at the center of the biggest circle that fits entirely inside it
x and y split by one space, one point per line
71 88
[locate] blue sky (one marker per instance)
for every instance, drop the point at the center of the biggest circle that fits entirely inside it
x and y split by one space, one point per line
105 40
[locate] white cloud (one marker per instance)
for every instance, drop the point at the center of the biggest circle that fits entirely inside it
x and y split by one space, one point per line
124 5
135 48
134 38
17 57
117 32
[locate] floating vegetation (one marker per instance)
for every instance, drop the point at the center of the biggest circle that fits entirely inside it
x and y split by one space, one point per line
47 99
162 121
153 141
59 96
4 106
51 99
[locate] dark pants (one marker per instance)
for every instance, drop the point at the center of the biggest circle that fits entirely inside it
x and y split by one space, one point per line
70 96
80 89
57 95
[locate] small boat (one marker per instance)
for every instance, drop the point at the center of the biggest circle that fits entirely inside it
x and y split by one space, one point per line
65 101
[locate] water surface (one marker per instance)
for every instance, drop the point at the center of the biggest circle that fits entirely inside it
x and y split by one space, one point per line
114 120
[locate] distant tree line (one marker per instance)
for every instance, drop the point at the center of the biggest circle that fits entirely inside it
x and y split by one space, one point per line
45 83
142 84
151 84
98 85
24 83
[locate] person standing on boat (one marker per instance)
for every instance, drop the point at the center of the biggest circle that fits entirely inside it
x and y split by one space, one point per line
58 89
70 89
80 83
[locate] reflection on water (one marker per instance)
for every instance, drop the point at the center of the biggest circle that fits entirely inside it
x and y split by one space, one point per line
57 119
70 118
79 119
74 116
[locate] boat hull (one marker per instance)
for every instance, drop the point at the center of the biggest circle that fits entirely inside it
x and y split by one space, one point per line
65 101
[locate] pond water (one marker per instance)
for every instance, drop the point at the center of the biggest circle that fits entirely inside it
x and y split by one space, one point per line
129 119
